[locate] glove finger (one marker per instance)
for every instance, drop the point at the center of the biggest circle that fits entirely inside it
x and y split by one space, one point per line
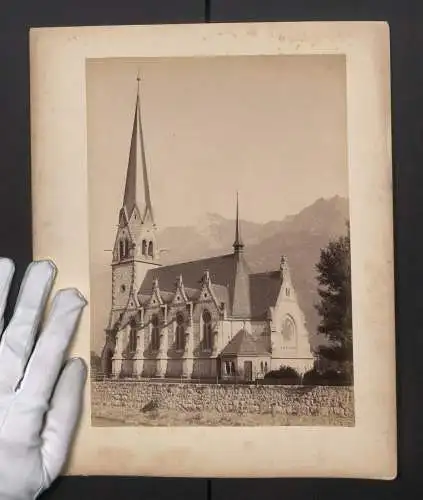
7 270
19 336
62 417
47 359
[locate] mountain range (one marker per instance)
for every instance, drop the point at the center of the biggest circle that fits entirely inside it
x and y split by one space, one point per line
300 237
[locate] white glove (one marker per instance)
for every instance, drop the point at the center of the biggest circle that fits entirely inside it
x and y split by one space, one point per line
40 396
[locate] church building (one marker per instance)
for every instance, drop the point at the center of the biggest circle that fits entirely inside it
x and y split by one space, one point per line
210 318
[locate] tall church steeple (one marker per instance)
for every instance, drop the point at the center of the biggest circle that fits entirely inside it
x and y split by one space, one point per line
137 188
241 299
135 250
238 244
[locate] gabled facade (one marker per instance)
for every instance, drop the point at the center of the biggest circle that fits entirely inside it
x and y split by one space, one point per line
208 318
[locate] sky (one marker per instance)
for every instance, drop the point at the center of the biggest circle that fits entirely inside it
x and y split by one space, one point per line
272 128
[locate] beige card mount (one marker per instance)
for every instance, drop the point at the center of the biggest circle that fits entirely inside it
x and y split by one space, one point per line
222 196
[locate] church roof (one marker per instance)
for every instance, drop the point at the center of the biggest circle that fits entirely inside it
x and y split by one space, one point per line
263 287
244 344
220 268
264 292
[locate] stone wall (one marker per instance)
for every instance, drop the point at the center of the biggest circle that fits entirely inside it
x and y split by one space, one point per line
289 400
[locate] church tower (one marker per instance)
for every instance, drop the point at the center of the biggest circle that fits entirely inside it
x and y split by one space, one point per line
135 250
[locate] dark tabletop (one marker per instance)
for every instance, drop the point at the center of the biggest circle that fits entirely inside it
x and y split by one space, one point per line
406 24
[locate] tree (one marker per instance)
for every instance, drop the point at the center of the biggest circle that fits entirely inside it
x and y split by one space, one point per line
334 279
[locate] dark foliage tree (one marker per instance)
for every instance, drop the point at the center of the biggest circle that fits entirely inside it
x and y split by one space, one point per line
283 376
329 377
334 279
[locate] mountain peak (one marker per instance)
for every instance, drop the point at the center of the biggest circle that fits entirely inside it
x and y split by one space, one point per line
327 215
209 218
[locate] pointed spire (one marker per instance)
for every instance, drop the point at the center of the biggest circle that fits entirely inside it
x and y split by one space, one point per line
284 267
284 263
179 282
238 245
206 277
285 271
137 189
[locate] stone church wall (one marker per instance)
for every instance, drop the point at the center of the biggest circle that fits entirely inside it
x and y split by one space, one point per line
224 398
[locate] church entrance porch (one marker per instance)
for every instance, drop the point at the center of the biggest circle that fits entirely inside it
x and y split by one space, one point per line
244 358
243 368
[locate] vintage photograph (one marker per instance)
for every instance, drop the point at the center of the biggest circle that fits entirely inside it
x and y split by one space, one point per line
221 194
219 240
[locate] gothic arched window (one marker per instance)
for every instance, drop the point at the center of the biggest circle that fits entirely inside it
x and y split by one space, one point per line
155 332
150 249
132 340
121 250
127 244
144 247
288 330
227 367
180 332
207 330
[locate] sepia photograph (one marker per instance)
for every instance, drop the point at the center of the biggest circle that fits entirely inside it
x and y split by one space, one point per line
219 241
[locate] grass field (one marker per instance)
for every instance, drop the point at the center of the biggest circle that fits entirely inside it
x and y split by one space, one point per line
115 417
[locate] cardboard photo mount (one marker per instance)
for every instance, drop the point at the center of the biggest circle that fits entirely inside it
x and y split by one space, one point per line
58 58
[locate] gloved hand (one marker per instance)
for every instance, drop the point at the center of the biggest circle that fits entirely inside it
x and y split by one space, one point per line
40 395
